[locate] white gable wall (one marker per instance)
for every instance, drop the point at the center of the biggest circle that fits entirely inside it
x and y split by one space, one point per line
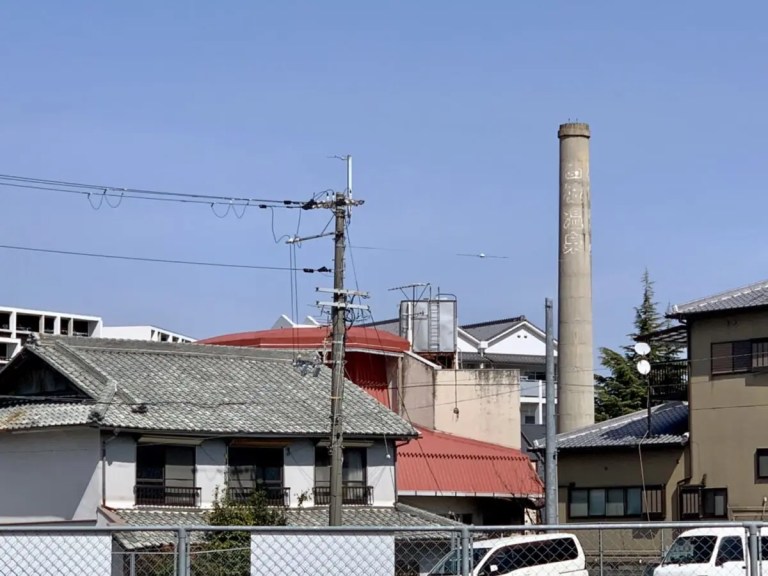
465 345
520 341
49 476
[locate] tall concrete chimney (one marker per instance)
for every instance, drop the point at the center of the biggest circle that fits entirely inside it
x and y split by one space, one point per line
575 384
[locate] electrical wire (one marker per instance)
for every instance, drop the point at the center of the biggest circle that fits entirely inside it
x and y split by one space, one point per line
158 260
72 188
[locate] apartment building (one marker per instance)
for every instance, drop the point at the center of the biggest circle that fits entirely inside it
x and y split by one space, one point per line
17 324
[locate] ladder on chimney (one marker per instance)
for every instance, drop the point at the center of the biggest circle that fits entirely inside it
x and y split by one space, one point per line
433 318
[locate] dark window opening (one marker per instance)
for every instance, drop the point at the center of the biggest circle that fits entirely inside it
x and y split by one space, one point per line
253 469
165 476
355 489
761 464
27 323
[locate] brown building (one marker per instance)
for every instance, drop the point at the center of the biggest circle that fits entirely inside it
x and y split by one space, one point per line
614 471
726 336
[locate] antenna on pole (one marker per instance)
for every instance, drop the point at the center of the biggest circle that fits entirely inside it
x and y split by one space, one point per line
642 349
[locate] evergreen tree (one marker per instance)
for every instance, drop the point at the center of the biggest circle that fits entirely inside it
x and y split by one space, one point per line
625 390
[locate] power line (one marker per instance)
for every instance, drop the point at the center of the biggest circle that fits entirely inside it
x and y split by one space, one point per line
139 193
161 260
479 255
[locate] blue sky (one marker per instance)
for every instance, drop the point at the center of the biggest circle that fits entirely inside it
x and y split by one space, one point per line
450 110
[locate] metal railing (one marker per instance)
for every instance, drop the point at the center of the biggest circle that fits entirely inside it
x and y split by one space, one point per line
351 495
636 549
669 380
162 495
275 495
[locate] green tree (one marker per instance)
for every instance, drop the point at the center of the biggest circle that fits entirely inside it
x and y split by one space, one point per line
228 553
625 390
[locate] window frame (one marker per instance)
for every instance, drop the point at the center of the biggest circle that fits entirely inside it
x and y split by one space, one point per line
761 453
737 360
234 471
656 496
324 450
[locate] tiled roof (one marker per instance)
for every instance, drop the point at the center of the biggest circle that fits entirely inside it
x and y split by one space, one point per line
669 423
195 388
443 464
503 358
752 296
489 330
399 516
26 415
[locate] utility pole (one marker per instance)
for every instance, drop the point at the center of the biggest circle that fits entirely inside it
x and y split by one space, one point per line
550 448
340 204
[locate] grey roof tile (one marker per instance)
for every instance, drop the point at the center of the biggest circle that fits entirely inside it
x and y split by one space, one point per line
201 388
530 359
752 296
489 330
669 422
28 415
399 516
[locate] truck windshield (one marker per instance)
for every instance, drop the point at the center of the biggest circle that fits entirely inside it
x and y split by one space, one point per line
691 550
451 564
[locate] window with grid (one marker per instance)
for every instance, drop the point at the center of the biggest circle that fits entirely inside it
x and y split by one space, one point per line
731 357
626 502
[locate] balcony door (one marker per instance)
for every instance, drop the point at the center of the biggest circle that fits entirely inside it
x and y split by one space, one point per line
252 468
353 476
165 475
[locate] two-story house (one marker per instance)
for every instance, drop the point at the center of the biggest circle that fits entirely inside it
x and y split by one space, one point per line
726 337
102 431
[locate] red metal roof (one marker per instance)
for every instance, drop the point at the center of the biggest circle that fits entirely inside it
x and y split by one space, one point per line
314 337
443 464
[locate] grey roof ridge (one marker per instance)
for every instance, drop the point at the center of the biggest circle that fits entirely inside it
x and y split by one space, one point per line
176 348
724 295
613 422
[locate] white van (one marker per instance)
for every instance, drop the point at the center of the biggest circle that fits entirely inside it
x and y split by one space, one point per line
524 555
710 552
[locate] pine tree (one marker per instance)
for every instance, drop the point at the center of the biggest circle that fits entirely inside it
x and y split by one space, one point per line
625 390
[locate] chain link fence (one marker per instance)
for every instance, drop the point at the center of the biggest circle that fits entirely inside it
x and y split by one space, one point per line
653 549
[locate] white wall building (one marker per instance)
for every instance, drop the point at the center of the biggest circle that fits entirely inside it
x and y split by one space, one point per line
147 333
16 325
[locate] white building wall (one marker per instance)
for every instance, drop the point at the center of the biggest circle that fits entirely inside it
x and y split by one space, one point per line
51 476
120 467
521 341
211 470
381 473
147 333
299 471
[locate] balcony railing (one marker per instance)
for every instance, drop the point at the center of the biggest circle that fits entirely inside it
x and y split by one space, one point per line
161 495
275 495
353 495
669 380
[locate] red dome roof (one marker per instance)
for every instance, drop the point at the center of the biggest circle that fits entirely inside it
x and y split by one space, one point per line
357 338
